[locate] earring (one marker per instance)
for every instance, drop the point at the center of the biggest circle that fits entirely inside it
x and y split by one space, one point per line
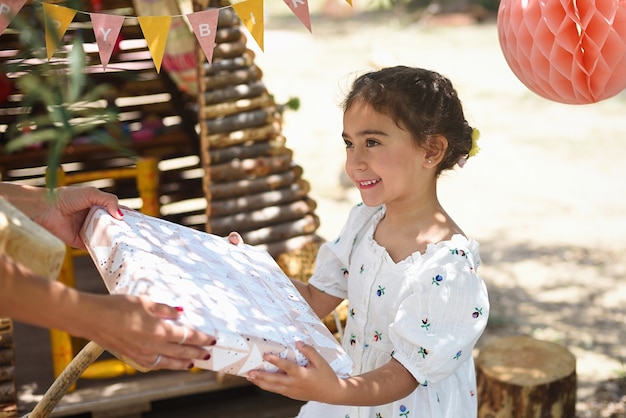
430 161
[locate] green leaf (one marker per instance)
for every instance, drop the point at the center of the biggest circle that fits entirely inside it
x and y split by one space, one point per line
40 136
76 66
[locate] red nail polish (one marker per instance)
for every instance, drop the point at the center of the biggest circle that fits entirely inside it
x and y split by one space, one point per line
119 212
214 342
190 366
179 308
208 356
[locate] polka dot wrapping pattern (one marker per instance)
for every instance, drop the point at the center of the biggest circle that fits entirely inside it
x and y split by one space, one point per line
236 293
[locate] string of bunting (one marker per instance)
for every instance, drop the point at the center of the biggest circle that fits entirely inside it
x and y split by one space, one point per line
155 29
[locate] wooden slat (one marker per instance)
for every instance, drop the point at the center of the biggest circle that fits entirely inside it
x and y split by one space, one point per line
229 64
238 152
255 118
243 76
141 388
251 168
295 191
270 215
241 136
231 93
238 106
276 233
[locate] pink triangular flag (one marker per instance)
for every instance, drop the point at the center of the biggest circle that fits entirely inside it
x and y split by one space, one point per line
204 25
251 14
57 19
8 10
155 29
106 28
301 9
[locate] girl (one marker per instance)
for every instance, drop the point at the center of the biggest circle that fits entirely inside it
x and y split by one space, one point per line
417 305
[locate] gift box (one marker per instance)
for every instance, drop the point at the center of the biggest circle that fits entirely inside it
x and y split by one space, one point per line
236 293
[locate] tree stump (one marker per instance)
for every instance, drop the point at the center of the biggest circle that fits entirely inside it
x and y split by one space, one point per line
522 377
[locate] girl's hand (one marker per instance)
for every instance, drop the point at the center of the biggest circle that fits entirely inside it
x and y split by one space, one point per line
234 238
317 381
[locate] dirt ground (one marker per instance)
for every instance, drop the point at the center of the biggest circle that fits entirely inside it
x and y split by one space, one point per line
544 197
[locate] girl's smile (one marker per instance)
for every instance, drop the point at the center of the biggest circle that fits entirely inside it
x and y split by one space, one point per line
367 184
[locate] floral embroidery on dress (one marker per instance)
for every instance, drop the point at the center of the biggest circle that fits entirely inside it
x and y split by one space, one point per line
378 336
404 411
458 354
437 280
425 324
381 291
477 313
456 251
423 352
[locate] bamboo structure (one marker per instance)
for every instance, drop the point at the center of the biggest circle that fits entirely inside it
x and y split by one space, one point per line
251 182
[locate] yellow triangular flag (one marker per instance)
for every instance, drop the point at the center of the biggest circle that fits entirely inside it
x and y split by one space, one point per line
155 29
251 14
57 19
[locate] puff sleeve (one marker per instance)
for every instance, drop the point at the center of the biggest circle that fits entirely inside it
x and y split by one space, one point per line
438 324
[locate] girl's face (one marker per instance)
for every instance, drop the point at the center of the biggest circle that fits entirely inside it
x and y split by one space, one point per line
382 159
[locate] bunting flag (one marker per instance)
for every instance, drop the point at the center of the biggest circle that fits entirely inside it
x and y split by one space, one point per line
301 9
252 16
107 29
8 10
57 19
155 30
204 26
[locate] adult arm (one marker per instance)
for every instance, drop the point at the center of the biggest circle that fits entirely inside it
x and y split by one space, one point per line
133 327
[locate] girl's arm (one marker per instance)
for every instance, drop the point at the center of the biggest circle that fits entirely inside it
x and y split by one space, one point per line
318 382
322 303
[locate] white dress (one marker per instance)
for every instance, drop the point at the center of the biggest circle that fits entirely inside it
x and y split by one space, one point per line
427 312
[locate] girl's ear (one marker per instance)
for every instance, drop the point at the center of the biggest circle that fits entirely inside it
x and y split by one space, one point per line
434 150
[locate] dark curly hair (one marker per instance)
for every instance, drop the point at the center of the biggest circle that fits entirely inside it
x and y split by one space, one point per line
421 101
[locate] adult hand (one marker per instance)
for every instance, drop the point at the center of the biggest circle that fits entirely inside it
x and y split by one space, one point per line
65 214
142 331
317 381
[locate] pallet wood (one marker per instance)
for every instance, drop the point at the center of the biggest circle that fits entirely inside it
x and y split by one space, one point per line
8 390
522 377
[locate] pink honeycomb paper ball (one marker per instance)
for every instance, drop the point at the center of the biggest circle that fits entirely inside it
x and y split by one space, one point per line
571 52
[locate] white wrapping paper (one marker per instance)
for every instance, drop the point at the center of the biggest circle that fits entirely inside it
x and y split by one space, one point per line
236 293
